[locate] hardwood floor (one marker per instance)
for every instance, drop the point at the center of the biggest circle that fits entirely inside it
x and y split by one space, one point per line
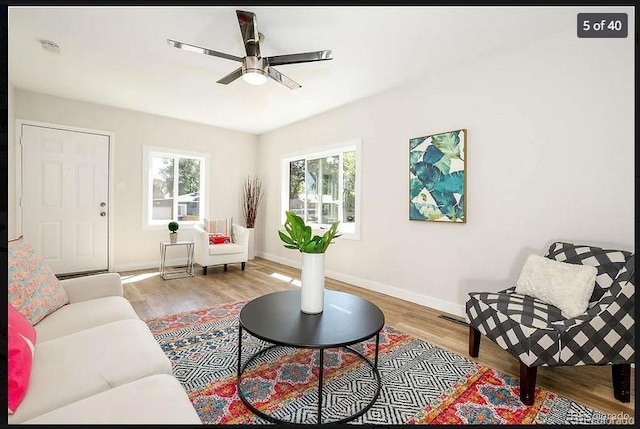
151 296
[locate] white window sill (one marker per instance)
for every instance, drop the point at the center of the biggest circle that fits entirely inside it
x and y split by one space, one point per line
347 235
158 226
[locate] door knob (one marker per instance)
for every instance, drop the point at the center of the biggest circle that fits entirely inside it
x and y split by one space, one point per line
103 214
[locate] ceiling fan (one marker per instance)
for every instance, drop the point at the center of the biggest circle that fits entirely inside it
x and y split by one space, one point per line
255 68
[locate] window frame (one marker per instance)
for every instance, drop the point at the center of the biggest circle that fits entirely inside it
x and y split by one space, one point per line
319 153
148 153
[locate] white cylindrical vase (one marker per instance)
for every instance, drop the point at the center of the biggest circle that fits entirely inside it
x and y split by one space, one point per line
312 289
252 243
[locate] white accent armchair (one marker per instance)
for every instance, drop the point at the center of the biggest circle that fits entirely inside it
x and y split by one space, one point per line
221 254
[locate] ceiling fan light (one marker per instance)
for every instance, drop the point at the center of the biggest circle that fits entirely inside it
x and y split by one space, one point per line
254 77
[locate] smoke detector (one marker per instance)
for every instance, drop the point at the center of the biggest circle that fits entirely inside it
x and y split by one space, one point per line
50 46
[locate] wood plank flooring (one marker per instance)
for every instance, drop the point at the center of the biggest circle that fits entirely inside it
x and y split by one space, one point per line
151 296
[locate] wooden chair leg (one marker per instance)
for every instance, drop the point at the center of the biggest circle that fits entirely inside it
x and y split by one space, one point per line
527 383
243 263
225 267
621 377
474 341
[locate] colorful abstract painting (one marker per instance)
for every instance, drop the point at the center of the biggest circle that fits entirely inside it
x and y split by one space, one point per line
437 177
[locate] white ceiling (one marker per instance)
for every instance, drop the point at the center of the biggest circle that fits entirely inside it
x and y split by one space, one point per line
118 56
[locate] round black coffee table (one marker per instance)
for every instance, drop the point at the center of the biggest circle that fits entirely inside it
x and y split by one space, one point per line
276 318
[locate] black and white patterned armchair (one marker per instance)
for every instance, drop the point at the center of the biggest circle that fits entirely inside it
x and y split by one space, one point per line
538 335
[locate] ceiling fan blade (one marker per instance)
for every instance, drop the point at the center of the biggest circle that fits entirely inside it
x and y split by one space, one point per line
231 76
277 76
306 57
200 50
250 35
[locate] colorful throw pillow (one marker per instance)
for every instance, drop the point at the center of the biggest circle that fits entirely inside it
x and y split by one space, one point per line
220 226
20 324
219 238
567 286
33 290
21 338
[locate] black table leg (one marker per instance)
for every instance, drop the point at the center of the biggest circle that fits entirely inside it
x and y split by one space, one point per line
320 373
375 364
239 349
367 361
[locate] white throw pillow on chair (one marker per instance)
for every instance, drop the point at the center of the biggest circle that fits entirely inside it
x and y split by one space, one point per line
567 286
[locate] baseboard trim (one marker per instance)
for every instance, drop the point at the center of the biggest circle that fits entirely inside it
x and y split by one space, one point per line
427 301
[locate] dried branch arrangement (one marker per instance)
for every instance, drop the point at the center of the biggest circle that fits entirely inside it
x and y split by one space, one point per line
252 193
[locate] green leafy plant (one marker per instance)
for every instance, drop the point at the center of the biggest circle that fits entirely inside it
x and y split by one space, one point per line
298 235
173 227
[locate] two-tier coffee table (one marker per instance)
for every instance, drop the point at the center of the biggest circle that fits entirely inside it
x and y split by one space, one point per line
346 320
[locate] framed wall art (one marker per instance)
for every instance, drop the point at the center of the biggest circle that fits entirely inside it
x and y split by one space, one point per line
437 177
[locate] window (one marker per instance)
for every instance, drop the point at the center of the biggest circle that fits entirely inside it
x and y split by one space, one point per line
323 188
174 184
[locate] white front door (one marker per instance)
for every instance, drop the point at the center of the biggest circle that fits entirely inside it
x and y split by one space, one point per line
65 197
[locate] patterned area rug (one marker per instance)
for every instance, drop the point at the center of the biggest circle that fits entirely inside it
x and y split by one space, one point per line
421 383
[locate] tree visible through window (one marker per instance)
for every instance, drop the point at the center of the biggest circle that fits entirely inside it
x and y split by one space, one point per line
175 184
322 188
349 185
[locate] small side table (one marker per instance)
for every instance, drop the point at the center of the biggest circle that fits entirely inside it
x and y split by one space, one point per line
174 272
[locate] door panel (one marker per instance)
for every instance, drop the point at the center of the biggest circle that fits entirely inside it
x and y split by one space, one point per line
64 182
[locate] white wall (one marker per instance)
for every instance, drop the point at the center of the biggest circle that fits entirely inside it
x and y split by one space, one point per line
550 153
11 154
233 157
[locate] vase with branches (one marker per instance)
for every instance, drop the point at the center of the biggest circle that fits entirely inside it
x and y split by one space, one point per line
252 194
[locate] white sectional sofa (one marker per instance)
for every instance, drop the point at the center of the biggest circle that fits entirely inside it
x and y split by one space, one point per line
95 361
